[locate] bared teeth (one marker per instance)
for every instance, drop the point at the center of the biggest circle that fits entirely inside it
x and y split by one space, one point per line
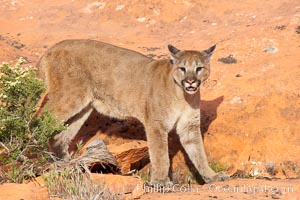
191 88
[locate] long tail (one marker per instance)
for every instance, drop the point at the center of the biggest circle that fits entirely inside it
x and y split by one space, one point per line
41 71
41 74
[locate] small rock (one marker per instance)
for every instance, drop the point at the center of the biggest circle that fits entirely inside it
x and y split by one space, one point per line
120 7
99 5
271 49
141 19
15 44
238 75
228 60
236 99
96 4
280 27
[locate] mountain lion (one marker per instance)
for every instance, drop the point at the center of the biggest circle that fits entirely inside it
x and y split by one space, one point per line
82 75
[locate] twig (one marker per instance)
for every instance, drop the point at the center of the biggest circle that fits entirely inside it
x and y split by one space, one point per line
5 147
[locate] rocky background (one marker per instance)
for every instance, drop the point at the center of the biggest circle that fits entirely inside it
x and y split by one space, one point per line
251 103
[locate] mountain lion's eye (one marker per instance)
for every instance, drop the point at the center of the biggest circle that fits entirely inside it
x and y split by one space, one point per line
182 69
198 69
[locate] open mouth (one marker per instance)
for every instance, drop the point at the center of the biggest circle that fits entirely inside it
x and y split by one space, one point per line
191 88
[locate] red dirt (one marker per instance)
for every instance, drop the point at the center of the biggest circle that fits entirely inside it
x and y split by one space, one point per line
250 109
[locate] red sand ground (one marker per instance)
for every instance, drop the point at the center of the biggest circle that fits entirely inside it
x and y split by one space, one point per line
251 109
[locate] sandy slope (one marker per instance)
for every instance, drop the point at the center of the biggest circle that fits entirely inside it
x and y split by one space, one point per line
251 109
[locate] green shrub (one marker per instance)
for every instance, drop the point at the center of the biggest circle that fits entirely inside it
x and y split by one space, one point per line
23 133
218 167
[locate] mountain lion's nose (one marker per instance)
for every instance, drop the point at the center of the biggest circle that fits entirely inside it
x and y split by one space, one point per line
190 81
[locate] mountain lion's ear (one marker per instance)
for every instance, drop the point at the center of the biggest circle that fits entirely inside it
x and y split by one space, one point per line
173 51
210 50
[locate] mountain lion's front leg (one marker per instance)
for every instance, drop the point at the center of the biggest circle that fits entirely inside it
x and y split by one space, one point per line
159 157
188 129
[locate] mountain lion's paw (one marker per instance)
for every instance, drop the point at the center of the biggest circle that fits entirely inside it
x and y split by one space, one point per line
161 183
221 176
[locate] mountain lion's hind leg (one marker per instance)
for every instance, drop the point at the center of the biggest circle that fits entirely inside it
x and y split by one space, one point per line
188 129
59 144
72 105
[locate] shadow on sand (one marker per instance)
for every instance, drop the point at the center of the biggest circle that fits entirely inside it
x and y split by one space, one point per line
132 129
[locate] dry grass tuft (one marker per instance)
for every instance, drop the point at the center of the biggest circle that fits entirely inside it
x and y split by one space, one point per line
72 183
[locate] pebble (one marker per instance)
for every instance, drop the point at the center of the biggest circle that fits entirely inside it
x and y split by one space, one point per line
236 99
120 7
141 19
271 49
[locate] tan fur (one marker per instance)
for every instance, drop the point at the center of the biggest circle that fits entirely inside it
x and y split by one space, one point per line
82 75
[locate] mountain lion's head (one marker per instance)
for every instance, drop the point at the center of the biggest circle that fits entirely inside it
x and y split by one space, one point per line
190 68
